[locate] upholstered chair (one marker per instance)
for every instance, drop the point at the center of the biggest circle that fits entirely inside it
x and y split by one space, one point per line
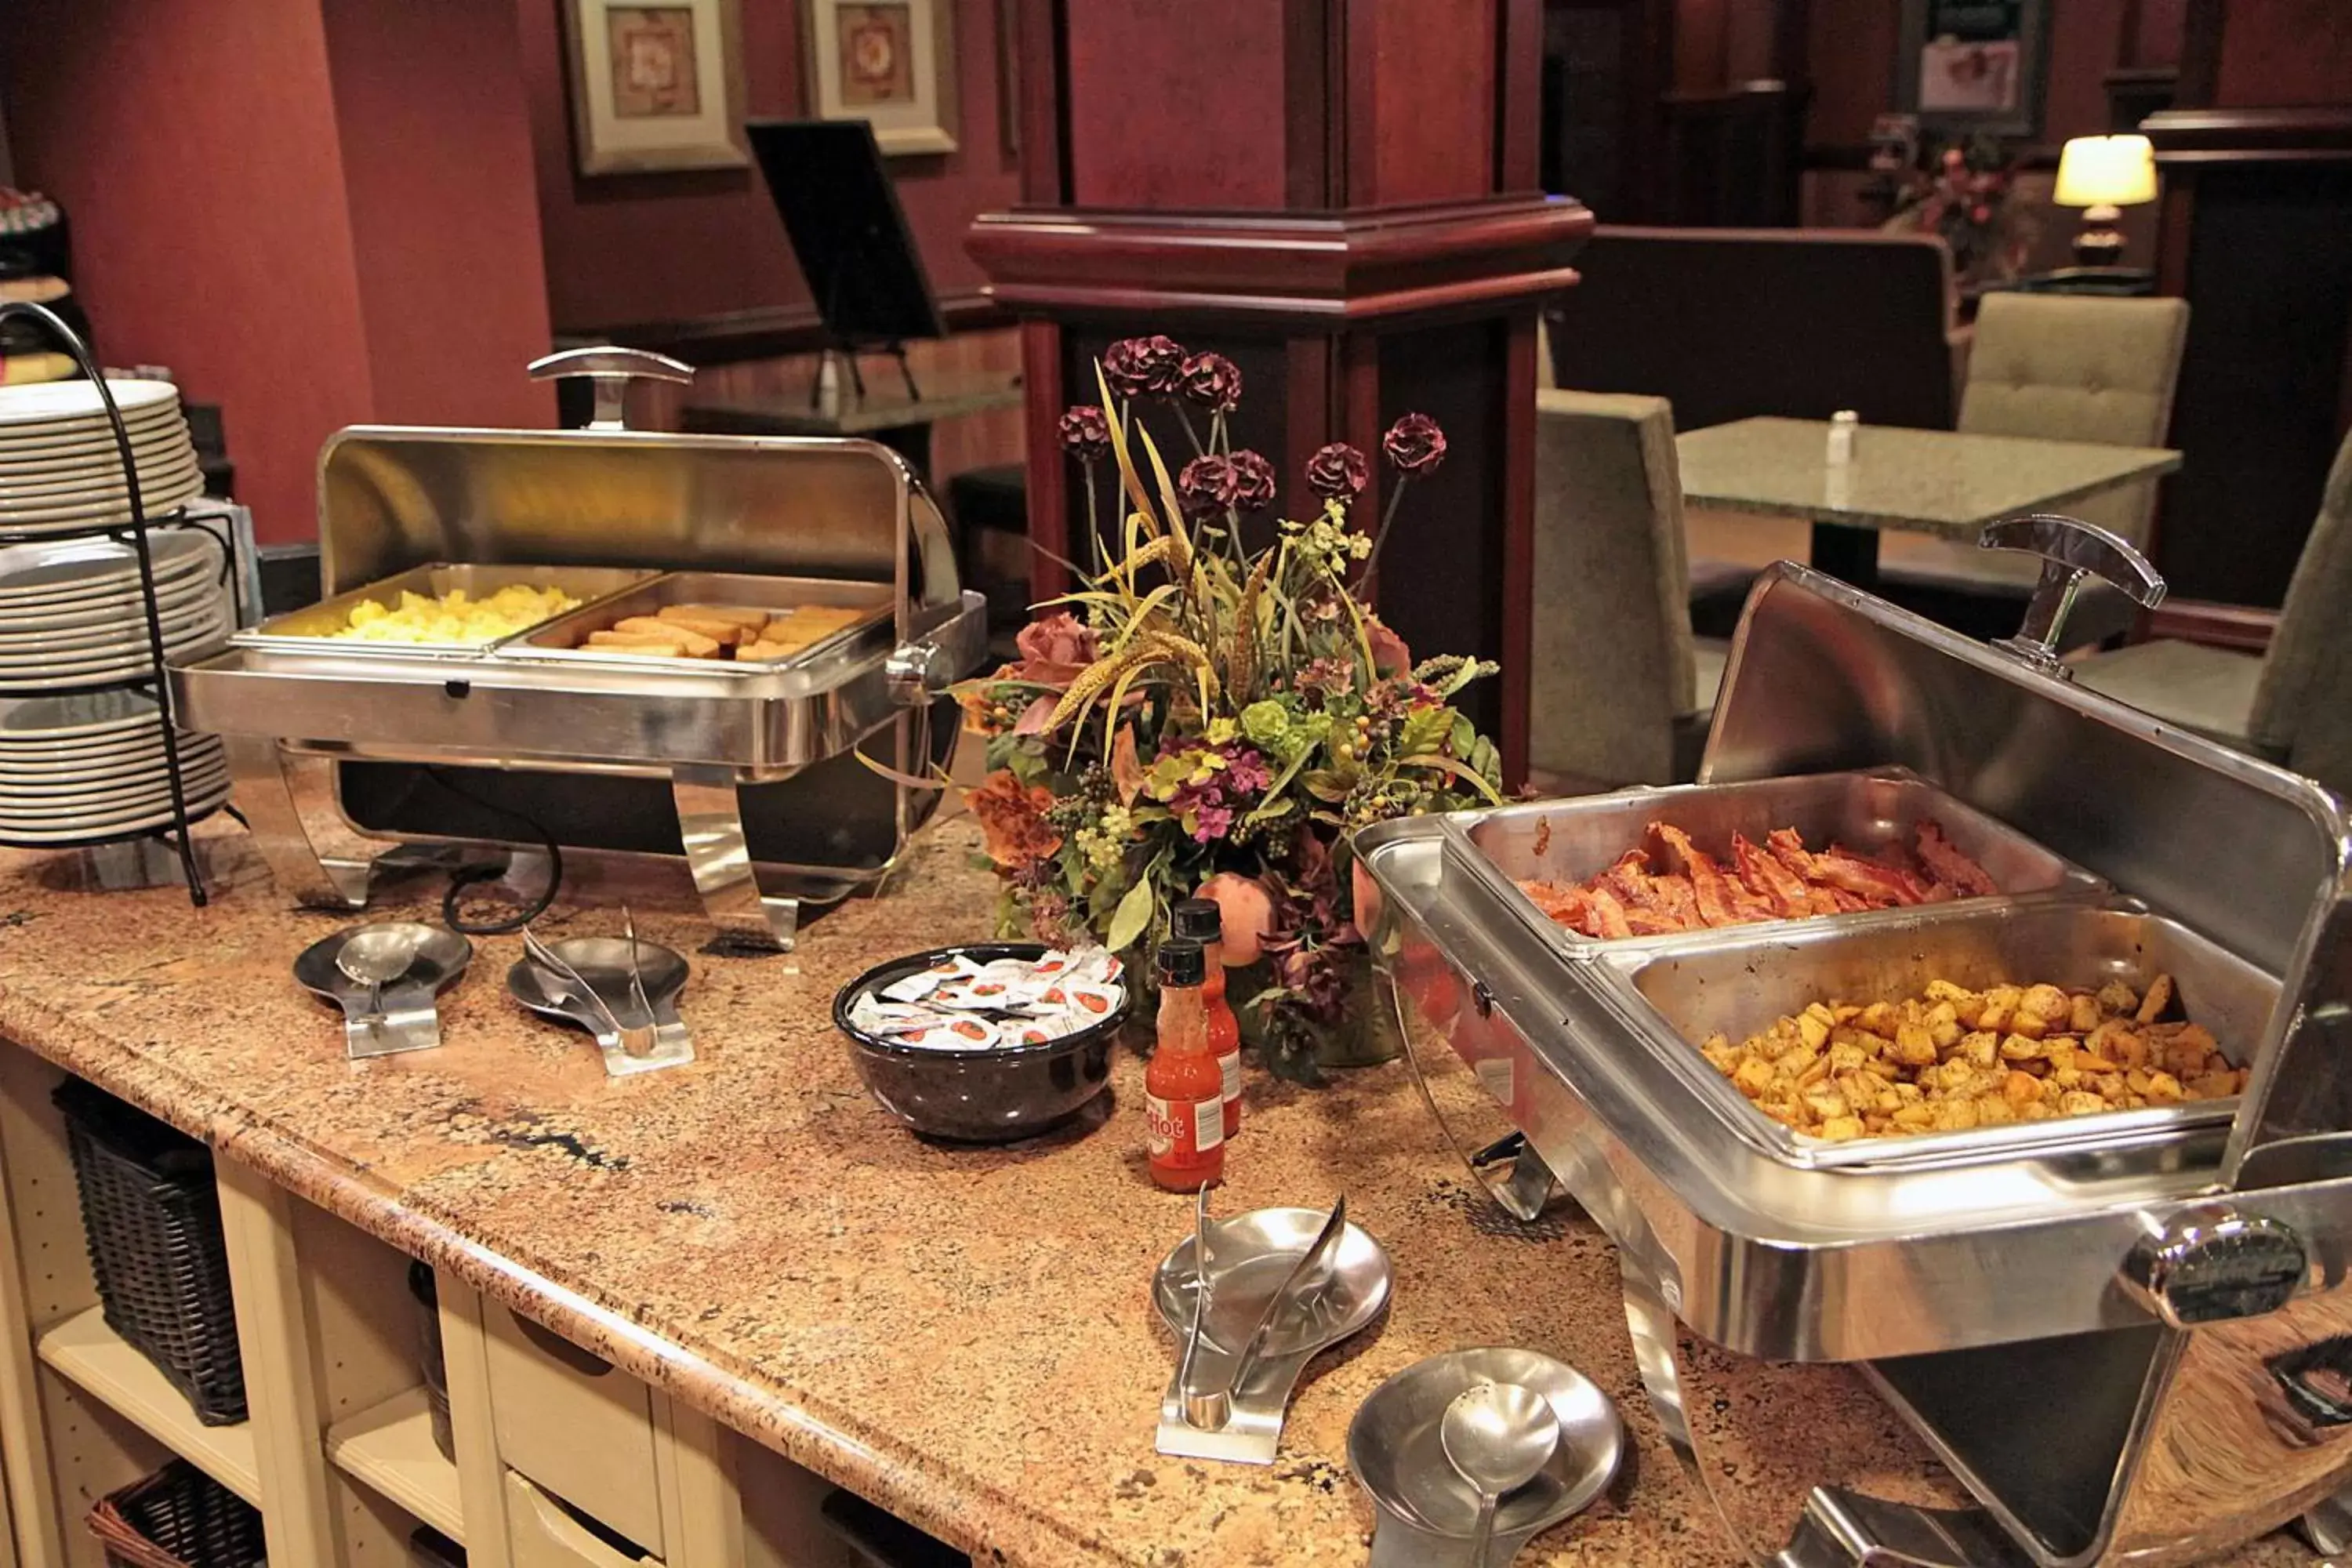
2294 704
2062 367
1619 693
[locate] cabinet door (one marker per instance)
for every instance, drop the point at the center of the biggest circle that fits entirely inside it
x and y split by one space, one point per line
574 1424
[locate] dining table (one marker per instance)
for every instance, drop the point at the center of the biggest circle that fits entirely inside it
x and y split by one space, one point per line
1946 483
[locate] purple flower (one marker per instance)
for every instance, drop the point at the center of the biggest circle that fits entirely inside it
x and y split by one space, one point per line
1415 445
1338 472
1246 770
1213 822
1213 381
1207 484
1085 433
1139 367
1253 481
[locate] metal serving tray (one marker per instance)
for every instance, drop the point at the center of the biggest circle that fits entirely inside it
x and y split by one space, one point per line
1737 983
1865 811
564 639
310 628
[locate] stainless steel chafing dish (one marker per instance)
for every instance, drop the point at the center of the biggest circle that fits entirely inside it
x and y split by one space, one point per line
744 768
2129 1335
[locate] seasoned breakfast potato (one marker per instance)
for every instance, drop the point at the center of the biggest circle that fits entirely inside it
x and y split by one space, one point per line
1952 1058
456 616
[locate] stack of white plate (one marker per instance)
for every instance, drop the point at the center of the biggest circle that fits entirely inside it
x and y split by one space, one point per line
60 470
71 612
92 765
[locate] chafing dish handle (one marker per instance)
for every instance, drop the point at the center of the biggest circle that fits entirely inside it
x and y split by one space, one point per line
611 369
2071 550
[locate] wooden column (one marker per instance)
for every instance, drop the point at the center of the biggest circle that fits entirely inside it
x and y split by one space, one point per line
1340 195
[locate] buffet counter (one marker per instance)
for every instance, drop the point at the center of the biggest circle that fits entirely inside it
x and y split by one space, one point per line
964 1336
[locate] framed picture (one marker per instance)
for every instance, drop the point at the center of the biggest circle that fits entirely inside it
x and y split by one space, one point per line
1973 65
655 86
887 62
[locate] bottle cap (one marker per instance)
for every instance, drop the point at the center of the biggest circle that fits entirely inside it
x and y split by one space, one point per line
1199 919
1182 962
1845 416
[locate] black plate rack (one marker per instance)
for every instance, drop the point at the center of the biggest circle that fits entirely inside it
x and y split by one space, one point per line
135 531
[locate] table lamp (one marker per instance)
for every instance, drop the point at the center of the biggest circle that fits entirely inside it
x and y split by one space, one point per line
2103 174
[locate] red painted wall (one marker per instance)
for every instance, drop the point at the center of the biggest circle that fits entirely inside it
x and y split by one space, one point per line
193 143
317 212
630 249
437 178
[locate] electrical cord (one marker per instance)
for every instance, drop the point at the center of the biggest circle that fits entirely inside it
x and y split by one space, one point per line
452 901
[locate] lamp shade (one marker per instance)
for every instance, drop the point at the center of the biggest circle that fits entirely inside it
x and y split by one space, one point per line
2105 170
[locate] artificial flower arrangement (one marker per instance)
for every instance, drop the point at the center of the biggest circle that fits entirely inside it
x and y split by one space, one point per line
1967 192
1203 717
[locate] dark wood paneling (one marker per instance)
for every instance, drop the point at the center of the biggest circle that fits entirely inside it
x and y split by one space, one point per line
1518 96
1051 481
1043 67
1442 573
1435 77
2269 273
2219 625
2186 137
2285 52
1298 268
772 331
1201 125
1517 421
1312 138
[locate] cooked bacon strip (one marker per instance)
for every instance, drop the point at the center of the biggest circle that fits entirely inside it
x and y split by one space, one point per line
1568 906
1719 903
1779 887
1948 866
1629 879
1607 915
1881 885
1676 900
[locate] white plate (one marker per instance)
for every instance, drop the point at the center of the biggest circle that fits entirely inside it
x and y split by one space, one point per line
26 804
66 402
32 768
20 647
40 575
127 608
108 825
55 675
93 480
31 518
23 635
45 467
83 715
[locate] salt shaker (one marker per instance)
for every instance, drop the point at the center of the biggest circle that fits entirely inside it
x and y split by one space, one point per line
1842 426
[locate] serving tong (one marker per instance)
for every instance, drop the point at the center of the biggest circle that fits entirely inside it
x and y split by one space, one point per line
1245 1345
621 990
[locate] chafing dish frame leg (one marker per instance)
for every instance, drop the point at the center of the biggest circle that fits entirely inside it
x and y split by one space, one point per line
265 794
710 824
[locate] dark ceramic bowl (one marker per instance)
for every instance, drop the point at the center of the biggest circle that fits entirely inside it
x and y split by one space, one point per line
978 1097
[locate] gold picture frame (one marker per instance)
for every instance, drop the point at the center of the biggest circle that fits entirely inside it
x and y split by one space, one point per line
656 85
890 63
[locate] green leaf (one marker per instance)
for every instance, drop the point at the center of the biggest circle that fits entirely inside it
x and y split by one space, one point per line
1274 805
1133 914
1324 784
1462 770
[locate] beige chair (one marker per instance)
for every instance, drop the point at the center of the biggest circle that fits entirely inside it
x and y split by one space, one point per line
1619 692
2294 704
2066 367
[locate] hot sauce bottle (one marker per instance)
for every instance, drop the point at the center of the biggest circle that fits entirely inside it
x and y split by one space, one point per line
1183 1088
1201 920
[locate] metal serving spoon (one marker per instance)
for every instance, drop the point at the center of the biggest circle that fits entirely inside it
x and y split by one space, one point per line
375 955
1498 1435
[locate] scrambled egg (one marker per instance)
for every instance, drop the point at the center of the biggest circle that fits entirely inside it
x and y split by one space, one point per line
456 616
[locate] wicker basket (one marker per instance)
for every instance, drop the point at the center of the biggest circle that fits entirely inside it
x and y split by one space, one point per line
153 1216
178 1517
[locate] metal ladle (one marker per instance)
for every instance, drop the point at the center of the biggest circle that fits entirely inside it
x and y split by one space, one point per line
1498 1435
374 956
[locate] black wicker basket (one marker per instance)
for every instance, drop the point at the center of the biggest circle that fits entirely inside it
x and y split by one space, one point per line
153 1216
178 1517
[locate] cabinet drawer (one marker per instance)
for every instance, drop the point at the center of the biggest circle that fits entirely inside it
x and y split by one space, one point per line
541 1534
574 1424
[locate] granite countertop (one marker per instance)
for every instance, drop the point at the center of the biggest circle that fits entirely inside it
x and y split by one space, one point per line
963 1336
1942 482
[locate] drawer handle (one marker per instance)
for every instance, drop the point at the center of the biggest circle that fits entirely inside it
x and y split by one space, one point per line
568 1528
556 1347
